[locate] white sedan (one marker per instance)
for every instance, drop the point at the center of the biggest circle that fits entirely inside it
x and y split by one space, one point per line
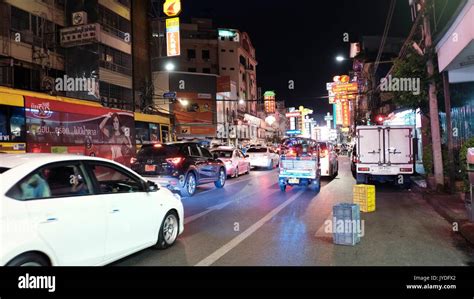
235 161
263 157
62 210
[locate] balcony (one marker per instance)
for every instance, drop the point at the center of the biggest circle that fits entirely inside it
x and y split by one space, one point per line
116 68
93 33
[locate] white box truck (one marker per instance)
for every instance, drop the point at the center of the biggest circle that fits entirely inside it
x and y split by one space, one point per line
384 154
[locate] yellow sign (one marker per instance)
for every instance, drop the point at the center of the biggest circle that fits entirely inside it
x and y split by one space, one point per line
173 42
172 8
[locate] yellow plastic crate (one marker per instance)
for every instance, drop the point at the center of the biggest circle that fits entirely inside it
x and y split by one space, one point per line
364 196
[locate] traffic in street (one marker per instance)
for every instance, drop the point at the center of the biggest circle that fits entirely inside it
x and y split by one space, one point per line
250 222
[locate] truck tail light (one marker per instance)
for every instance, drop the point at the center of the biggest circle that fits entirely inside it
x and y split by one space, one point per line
363 169
406 169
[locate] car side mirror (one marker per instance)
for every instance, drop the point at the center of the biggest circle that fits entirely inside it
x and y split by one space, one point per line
152 186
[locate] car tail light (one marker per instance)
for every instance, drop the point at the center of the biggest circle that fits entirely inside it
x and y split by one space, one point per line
158 145
363 169
323 153
175 161
133 160
406 169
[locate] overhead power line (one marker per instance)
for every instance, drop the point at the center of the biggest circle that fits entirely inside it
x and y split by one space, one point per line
385 33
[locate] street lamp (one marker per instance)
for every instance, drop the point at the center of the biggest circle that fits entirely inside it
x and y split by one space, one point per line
184 103
340 58
169 66
241 101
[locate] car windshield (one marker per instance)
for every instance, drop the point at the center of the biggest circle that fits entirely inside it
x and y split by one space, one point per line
257 150
3 169
157 151
223 154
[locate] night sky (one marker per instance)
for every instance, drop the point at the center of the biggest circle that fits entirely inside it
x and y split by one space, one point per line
299 40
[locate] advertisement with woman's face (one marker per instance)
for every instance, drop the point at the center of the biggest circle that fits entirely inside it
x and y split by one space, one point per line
60 127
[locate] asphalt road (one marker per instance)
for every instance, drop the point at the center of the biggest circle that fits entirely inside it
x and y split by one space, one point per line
250 222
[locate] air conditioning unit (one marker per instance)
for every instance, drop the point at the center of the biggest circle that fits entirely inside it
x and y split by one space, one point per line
47 83
79 18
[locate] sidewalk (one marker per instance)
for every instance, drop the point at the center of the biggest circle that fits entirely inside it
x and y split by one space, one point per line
452 208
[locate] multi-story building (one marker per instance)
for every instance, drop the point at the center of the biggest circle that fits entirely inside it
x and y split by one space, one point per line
227 53
238 61
42 41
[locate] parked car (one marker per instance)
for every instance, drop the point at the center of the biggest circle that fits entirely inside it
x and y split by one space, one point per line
62 210
180 166
329 160
263 157
235 161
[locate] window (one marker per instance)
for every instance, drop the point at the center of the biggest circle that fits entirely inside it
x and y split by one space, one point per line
3 169
206 54
12 124
231 51
192 70
191 53
165 133
64 180
257 150
194 150
223 154
113 180
206 70
224 68
232 69
243 61
205 152
20 19
222 50
142 132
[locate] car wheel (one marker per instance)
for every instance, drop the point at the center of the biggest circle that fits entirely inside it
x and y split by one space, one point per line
29 260
189 186
168 231
221 181
248 169
316 185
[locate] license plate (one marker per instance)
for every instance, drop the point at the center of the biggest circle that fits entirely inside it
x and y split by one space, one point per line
150 168
294 181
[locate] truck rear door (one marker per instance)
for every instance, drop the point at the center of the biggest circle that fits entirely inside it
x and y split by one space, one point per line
370 145
398 146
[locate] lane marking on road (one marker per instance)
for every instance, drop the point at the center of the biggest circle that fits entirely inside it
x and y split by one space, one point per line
234 183
219 207
207 211
211 259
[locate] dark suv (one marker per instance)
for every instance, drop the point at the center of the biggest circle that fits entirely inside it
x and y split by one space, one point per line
180 166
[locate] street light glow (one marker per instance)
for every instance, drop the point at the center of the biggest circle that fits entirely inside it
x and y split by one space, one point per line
169 67
241 102
184 103
340 58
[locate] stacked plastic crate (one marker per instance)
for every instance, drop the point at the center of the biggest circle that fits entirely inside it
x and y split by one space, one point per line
347 224
364 196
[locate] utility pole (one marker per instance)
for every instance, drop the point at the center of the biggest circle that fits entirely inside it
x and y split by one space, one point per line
433 100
